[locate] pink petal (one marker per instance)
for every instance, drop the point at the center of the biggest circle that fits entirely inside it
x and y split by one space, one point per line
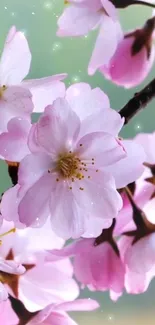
102 147
45 90
67 217
16 102
34 206
109 8
95 226
131 167
99 197
136 283
38 290
86 101
15 59
76 21
7 315
103 257
11 267
104 49
13 144
98 122
9 204
147 141
140 257
3 293
55 318
56 118
67 251
32 168
79 305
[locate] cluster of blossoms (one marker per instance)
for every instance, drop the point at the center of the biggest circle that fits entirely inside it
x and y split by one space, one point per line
73 177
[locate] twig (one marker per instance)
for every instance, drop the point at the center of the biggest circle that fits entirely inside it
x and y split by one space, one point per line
138 102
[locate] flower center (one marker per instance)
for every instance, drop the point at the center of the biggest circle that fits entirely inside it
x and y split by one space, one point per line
67 165
2 89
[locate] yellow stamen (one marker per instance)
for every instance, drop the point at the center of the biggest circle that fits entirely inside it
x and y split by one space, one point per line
8 232
2 89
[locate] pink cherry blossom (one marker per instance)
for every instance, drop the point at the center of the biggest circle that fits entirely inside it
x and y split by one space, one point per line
80 17
140 256
133 59
89 104
15 95
135 282
56 314
7 315
89 111
67 171
43 282
13 143
96 266
144 186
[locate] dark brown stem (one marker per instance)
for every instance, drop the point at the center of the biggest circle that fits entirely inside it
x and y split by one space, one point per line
138 102
23 314
137 212
126 3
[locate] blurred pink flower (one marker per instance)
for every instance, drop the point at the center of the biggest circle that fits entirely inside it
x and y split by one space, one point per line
97 266
15 95
133 58
137 280
80 17
143 188
42 283
56 314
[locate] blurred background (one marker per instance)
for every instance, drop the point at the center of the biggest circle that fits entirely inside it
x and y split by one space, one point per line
52 55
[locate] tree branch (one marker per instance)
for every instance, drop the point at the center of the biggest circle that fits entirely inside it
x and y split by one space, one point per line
138 102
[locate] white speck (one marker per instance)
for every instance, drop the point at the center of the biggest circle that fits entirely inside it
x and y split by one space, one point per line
75 78
138 127
110 318
56 46
5 8
13 14
48 5
33 13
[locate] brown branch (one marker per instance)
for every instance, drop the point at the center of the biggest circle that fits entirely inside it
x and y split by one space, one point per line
138 102
126 3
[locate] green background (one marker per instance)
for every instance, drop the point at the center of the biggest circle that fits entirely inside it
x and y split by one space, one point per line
52 55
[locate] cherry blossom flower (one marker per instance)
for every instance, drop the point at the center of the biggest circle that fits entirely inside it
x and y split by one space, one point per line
67 172
97 263
133 58
143 189
89 111
135 282
56 314
80 17
42 283
15 95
